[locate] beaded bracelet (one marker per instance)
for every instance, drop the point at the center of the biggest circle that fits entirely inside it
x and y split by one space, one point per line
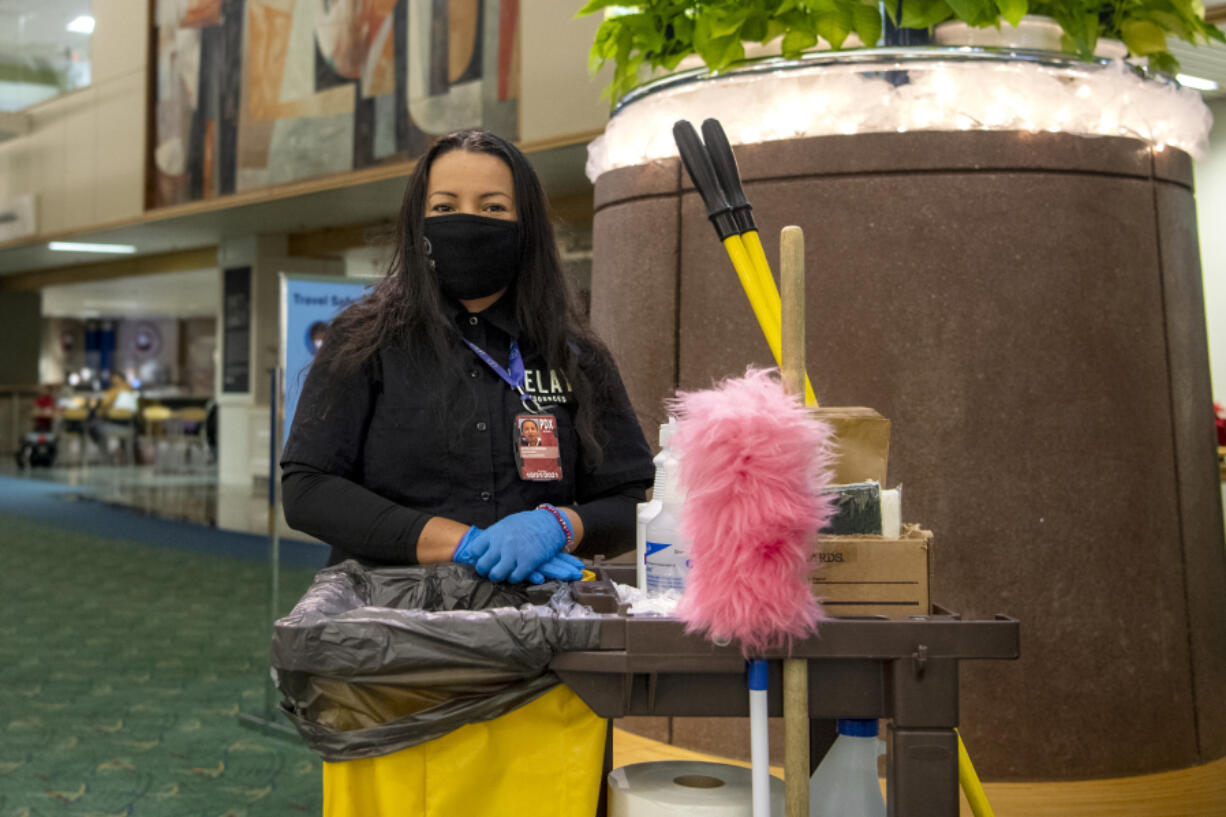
561 517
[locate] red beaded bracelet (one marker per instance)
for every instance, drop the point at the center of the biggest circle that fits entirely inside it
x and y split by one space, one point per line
561 517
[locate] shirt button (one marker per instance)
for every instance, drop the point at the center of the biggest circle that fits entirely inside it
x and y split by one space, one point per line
474 373
485 496
481 426
472 321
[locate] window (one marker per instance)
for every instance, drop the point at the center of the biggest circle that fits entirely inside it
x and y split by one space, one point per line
44 49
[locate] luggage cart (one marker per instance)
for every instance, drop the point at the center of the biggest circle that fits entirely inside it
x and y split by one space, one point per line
905 671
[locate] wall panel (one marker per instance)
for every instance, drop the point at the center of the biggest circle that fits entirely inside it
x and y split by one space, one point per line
119 159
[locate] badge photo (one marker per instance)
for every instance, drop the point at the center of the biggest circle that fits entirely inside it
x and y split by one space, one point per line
537 448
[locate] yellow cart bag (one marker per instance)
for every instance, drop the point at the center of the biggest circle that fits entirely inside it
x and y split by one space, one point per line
543 759
426 691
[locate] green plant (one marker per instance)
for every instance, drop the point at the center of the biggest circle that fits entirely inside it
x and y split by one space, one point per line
660 33
1142 25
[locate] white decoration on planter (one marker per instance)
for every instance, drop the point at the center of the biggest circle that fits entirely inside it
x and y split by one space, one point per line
1087 99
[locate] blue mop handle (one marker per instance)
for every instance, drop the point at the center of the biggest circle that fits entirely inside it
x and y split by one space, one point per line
759 743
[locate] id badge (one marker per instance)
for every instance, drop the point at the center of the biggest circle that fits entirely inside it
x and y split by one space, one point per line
537 452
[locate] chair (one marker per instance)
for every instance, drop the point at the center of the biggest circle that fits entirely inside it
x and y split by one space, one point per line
120 424
155 417
73 422
191 425
157 420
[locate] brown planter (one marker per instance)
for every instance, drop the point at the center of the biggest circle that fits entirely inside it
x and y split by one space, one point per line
1027 310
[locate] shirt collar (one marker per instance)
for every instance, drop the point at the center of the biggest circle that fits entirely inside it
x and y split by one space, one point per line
500 314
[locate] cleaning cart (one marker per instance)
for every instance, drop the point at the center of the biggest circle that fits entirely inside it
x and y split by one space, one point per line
902 670
361 662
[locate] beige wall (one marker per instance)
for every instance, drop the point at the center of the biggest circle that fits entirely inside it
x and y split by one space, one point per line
85 155
1210 205
557 94
243 418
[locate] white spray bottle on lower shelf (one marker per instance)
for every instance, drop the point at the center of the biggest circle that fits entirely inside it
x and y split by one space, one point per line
845 783
650 509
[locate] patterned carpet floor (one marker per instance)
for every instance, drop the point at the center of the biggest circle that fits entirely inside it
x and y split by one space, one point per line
123 669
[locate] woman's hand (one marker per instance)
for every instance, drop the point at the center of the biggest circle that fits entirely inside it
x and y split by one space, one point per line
517 546
462 553
562 567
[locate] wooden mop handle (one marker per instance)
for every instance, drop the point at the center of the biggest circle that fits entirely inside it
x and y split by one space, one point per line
792 297
795 670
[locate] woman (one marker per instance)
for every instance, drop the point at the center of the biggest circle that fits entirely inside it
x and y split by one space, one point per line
405 446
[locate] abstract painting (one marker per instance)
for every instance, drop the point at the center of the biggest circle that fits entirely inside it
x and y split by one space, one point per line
256 93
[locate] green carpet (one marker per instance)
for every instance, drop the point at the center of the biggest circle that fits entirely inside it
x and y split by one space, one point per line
123 668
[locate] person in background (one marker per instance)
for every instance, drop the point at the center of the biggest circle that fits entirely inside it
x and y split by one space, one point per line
404 448
210 428
43 413
99 418
317 332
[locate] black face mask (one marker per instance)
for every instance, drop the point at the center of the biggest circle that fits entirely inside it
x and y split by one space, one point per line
474 256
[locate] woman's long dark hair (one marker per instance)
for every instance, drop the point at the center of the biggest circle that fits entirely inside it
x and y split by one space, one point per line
405 305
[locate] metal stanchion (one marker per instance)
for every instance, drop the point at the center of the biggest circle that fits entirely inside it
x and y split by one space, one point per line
16 438
268 721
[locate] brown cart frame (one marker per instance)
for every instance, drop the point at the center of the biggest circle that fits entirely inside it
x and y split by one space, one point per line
905 671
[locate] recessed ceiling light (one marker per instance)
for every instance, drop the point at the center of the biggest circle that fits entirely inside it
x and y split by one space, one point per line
72 246
82 25
1199 83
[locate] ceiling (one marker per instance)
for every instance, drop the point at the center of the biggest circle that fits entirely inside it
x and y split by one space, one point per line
1204 61
170 295
358 204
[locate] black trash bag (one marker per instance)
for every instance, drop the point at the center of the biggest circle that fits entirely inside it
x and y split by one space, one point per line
372 661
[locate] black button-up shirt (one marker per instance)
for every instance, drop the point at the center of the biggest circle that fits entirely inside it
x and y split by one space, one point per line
369 460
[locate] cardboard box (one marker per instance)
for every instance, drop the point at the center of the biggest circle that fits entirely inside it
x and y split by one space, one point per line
863 443
874 576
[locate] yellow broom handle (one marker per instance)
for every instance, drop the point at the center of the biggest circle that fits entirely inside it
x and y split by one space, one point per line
762 267
747 274
971 786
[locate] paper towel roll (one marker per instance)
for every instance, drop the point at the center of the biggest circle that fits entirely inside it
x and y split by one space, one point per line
677 788
891 513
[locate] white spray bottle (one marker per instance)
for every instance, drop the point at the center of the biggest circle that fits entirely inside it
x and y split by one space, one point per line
650 509
845 783
668 551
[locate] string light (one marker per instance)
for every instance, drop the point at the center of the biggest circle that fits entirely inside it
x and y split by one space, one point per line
943 94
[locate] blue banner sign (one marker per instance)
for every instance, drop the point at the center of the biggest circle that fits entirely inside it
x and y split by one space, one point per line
308 306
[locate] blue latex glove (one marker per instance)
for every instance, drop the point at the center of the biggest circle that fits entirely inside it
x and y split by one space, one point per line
562 567
464 553
517 545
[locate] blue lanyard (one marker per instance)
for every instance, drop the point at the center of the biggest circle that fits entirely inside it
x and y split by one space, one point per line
513 375
513 378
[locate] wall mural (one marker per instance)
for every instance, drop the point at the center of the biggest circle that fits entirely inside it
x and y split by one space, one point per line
253 93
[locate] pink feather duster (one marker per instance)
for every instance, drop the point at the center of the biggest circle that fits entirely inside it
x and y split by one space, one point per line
753 463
